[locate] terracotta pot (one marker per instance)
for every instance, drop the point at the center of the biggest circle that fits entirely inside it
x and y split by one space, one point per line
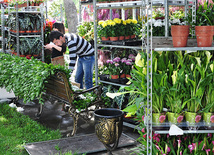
204 36
127 37
104 38
28 31
132 36
22 55
128 76
121 37
179 35
123 76
114 38
114 76
21 31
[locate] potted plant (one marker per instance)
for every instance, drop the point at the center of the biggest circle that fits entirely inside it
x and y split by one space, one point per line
174 96
103 30
113 67
204 24
114 27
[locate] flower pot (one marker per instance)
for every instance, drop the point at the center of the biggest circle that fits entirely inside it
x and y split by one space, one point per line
208 119
204 35
191 119
127 37
109 126
128 76
114 38
158 118
121 37
132 36
114 76
104 38
123 76
180 35
174 117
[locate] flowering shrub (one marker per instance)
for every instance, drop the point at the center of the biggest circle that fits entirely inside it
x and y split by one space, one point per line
126 64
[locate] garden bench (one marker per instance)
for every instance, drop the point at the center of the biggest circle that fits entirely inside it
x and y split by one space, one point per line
58 87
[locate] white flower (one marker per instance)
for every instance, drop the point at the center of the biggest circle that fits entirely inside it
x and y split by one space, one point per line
112 95
20 109
158 23
81 96
12 105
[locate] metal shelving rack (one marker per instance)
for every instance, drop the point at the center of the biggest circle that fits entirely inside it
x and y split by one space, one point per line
148 46
29 10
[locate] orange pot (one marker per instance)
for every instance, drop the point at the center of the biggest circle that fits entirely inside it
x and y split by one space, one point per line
104 38
114 38
114 76
204 35
127 37
121 37
180 35
123 76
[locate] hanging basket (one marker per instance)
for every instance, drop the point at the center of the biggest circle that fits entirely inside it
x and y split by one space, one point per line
180 35
204 36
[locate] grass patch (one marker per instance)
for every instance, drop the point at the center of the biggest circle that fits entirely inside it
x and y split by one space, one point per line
17 129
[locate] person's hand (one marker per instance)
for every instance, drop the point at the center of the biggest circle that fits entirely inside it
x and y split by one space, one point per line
48 46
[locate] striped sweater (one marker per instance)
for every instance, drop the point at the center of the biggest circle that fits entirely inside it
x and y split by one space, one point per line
77 47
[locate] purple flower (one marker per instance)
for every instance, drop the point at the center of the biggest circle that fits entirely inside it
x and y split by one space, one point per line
168 149
116 64
124 60
117 59
128 63
109 61
132 57
209 135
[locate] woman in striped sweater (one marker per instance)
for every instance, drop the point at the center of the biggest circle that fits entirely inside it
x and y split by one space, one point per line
81 49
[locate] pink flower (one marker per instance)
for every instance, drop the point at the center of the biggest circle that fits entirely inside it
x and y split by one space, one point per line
180 119
209 135
168 149
194 146
162 118
213 142
143 130
197 118
143 117
190 147
207 151
109 61
116 64
123 60
156 145
144 136
212 119
180 152
179 143
128 63
117 59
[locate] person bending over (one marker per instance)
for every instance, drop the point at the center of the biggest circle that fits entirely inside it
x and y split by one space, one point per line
81 49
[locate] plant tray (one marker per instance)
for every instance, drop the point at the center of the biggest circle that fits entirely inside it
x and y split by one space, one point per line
131 42
105 77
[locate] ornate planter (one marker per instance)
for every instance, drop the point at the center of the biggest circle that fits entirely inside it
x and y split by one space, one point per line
108 126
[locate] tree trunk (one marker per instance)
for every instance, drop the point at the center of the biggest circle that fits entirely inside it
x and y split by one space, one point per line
71 15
